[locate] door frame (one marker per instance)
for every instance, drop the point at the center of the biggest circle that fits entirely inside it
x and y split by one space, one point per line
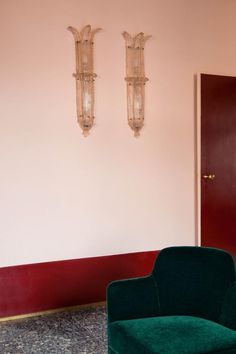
197 157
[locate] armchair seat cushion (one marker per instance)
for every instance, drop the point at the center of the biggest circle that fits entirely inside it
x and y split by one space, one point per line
171 335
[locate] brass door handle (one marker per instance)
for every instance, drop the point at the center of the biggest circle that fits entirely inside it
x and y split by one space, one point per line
209 177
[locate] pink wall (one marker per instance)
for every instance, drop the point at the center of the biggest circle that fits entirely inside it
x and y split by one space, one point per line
63 196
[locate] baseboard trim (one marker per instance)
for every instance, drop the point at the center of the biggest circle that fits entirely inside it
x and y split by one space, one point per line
39 287
49 312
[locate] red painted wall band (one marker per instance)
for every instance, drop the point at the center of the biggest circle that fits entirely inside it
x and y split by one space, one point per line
43 286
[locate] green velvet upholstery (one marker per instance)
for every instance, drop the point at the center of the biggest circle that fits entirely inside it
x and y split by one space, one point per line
170 334
197 276
186 306
122 304
110 351
228 312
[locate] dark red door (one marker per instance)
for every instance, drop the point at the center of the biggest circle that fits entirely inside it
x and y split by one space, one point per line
218 162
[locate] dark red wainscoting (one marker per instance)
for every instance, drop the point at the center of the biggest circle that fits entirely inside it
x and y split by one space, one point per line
43 286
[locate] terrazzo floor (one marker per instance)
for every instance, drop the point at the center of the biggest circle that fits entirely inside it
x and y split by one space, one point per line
80 331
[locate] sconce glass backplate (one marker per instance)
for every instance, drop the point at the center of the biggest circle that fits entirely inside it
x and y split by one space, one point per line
84 76
136 80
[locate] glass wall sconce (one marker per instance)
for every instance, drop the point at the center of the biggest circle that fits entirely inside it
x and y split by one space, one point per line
84 76
136 80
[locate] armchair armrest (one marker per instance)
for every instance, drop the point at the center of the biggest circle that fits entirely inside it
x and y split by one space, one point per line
132 298
228 311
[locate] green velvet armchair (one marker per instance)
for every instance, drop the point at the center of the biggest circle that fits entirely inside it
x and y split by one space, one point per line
187 305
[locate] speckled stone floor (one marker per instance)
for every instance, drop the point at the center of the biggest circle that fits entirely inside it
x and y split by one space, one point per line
80 331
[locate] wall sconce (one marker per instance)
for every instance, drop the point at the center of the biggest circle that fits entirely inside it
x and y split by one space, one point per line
84 76
135 78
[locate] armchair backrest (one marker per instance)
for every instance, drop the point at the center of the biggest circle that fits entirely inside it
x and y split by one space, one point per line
193 280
